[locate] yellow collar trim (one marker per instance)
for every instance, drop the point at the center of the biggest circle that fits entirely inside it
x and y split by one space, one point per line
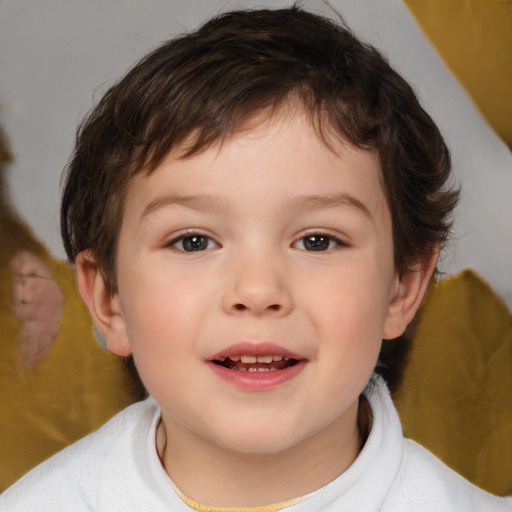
203 508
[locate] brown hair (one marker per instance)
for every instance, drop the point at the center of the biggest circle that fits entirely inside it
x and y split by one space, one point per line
207 83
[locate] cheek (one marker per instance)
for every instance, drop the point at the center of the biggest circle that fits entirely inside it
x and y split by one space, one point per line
163 344
158 295
356 300
350 317
164 316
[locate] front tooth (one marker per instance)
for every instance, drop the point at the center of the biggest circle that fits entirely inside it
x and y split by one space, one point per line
248 359
277 358
264 359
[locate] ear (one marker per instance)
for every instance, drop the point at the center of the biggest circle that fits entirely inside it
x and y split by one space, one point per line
407 296
104 306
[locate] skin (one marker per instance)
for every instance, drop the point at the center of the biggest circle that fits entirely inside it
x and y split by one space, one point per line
254 203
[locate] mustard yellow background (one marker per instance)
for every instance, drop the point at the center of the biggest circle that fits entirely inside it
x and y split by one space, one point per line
474 38
456 397
74 389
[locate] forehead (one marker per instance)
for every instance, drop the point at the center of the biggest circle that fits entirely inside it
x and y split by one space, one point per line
269 156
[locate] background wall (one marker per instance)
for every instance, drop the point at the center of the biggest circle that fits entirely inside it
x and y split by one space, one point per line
58 56
475 39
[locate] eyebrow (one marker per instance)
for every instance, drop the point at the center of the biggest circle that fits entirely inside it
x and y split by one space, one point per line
322 202
199 202
295 205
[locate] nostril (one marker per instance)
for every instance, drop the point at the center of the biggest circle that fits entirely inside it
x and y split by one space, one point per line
243 307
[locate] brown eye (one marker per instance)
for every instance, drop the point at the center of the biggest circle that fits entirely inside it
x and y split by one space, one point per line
193 243
317 243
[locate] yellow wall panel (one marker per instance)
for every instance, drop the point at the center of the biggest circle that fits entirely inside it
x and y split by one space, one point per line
474 38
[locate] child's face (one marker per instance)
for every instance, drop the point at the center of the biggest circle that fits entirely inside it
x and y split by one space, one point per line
270 246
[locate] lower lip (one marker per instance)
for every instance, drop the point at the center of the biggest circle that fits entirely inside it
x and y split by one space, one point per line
258 381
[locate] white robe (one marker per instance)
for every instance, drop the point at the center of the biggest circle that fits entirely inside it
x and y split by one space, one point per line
117 469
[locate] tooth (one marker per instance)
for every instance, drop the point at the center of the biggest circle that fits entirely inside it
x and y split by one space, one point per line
222 359
253 369
277 358
264 359
248 359
242 369
286 358
234 358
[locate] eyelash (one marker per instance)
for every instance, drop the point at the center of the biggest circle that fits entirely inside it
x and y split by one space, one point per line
332 242
198 242
192 238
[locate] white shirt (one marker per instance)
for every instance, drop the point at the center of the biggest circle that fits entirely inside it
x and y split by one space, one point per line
117 469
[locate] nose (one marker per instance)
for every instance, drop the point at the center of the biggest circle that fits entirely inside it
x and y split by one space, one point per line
258 285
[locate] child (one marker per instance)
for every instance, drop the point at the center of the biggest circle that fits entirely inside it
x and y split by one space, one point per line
255 212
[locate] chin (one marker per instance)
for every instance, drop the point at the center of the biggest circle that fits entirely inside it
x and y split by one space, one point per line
257 440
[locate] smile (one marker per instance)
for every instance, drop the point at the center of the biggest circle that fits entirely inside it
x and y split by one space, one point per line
253 363
256 367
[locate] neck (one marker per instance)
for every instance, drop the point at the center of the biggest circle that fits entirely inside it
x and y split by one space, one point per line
215 476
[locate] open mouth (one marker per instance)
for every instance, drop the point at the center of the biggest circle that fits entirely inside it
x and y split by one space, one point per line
252 363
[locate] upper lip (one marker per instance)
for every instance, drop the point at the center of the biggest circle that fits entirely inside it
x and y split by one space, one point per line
264 348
